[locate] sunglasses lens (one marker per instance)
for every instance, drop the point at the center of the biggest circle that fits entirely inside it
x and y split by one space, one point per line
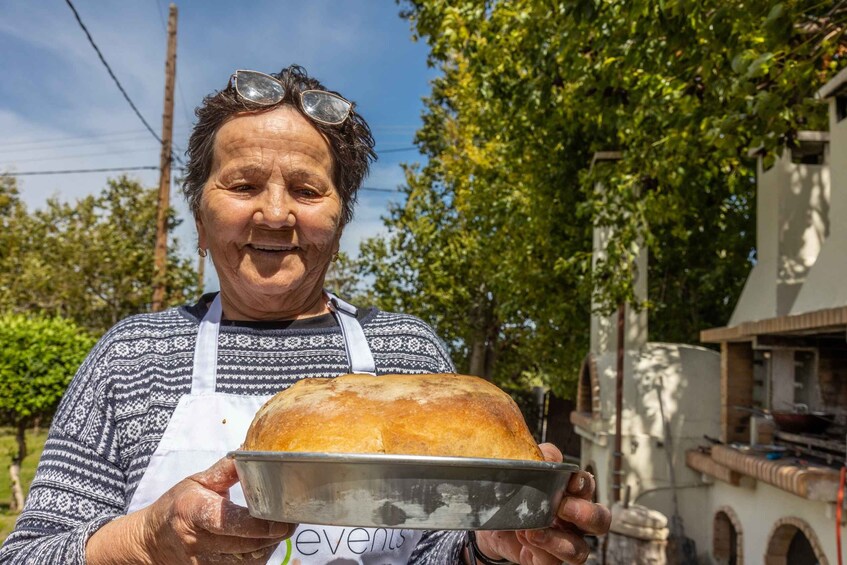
325 107
258 88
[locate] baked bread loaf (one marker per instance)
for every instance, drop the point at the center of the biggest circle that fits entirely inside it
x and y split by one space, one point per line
443 415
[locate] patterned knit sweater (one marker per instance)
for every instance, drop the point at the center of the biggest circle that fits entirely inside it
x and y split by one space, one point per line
120 402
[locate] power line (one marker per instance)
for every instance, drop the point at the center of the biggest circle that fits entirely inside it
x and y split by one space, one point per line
141 168
103 153
71 171
114 78
21 148
161 16
371 189
131 132
81 155
112 74
397 150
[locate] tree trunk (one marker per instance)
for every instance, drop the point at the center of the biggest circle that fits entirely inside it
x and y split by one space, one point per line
477 364
483 355
17 503
486 332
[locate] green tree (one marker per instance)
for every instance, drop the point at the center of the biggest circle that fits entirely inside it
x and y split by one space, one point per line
92 260
493 243
37 361
343 278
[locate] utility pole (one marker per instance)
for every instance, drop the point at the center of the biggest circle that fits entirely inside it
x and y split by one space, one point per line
161 250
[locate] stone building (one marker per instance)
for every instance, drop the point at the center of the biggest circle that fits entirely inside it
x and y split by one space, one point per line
773 401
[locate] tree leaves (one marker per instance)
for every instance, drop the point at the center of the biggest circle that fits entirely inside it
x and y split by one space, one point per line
37 361
493 244
91 261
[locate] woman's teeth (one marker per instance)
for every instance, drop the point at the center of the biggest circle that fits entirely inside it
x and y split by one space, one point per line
271 249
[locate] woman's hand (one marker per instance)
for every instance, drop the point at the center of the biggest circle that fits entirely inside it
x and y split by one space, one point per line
194 522
564 541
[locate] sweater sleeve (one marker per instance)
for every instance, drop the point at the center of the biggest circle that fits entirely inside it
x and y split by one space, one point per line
79 485
439 548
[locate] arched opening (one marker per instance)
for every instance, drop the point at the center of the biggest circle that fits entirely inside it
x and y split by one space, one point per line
793 542
585 387
800 551
725 540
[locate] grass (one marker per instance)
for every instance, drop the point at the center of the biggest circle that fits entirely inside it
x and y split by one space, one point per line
8 447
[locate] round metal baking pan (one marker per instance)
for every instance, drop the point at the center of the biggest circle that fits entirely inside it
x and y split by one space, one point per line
401 491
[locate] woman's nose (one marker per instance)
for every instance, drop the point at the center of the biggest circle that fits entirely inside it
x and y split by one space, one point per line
275 209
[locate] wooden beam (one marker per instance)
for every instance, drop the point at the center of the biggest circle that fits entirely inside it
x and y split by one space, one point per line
820 321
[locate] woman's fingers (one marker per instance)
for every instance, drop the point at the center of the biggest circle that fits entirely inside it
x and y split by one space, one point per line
195 522
219 477
210 545
550 546
553 546
226 518
495 543
576 516
585 515
581 484
577 507
551 452
216 514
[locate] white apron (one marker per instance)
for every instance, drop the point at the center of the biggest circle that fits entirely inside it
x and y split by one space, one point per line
206 425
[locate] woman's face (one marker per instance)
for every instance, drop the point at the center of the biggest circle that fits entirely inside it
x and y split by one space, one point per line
270 215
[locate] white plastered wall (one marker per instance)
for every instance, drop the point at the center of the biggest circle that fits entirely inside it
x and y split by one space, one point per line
604 329
792 222
759 508
826 283
689 379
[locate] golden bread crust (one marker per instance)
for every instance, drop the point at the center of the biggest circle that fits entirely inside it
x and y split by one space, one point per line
433 414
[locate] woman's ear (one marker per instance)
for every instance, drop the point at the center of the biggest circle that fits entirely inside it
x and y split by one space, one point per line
336 247
201 233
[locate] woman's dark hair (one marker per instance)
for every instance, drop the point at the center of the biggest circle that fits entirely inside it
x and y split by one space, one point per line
351 142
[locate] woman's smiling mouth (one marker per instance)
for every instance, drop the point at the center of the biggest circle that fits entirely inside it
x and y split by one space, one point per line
271 248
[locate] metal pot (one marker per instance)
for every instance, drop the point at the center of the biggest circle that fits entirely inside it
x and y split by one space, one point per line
799 420
802 423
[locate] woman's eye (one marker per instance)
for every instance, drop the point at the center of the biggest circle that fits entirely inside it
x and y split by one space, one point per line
308 192
242 188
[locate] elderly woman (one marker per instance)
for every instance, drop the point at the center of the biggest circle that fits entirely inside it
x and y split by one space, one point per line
132 471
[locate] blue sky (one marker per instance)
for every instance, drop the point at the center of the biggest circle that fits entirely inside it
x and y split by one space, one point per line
59 109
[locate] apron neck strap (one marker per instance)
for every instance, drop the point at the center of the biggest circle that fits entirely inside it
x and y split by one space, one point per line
359 357
205 371
204 375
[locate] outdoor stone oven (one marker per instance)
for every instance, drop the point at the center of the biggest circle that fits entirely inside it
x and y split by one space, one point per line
675 380
784 350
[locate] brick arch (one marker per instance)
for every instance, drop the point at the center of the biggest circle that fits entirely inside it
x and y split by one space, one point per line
588 387
780 537
726 523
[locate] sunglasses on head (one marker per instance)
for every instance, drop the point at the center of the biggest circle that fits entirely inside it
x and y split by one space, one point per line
321 106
